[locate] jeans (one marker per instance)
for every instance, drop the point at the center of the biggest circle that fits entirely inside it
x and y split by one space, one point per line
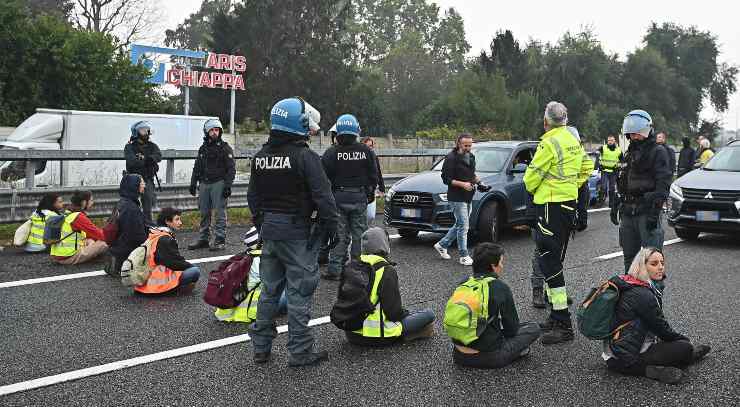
292 266
458 231
211 198
148 199
633 235
372 209
511 349
188 276
676 354
352 224
609 185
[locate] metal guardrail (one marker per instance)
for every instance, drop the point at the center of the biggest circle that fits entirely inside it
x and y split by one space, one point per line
16 205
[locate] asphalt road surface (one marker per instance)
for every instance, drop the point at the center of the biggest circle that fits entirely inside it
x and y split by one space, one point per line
125 349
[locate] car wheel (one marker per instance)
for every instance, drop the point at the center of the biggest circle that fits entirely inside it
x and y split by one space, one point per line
489 224
687 234
408 233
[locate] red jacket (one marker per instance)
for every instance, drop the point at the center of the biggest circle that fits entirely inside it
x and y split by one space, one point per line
83 224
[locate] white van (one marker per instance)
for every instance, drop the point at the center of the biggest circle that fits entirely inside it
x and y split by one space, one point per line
51 129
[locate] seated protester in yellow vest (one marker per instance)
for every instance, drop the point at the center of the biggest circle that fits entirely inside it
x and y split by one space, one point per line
169 270
50 204
504 339
389 322
80 240
132 225
246 311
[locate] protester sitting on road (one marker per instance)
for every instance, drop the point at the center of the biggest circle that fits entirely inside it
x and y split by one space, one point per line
643 343
50 204
80 240
246 311
504 339
389 322
171 270
132 225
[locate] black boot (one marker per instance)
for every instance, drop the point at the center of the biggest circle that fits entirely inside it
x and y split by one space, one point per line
538 298
699 352
562 331
664 374
261 357
218 245
307 359
200 244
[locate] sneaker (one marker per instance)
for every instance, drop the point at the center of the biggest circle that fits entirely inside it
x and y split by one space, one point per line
664 374
307 359
700 351
561 331
442 251
261 357
200 244
538 298
466 261
218 245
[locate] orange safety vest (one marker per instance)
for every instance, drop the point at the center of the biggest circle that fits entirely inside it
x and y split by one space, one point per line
162 279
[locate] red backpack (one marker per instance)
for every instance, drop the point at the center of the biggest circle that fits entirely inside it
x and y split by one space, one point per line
226 281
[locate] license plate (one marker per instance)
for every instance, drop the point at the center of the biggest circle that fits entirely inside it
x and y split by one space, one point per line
707 216
410 213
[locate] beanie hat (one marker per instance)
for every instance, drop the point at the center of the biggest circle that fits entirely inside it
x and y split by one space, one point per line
375 241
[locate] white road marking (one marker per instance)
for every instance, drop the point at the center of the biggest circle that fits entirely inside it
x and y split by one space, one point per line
599 210
63 277
141 360
620 254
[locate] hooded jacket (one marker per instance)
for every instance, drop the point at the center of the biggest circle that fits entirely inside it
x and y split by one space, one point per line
132 229
641 303
168 252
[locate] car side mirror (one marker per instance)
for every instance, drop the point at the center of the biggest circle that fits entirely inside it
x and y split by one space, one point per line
520 168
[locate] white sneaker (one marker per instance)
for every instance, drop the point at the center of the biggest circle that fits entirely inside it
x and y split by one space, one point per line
442 251
466 261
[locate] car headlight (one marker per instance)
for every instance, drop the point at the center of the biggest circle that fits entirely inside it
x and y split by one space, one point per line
442 197
676 192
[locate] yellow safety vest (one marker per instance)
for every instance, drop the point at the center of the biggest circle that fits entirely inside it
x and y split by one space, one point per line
559 167
609 158
37 227
705 156
246 311
371 327
71 240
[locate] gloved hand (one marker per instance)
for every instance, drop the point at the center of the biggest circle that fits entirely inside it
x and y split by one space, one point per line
614 214
193 189
227 192
483 188
651 221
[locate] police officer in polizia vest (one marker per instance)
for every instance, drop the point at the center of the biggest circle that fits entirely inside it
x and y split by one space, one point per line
287 185
609 157
557 171
643 181
214 169
353 173
143 157
324 250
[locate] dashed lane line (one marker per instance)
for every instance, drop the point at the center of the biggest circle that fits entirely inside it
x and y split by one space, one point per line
141 360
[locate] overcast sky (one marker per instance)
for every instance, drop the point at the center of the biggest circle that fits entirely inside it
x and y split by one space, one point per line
620 25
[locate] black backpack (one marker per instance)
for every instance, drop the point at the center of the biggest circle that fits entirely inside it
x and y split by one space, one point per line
353 296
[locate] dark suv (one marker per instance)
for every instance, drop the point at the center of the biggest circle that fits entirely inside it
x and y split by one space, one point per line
419 202
708 199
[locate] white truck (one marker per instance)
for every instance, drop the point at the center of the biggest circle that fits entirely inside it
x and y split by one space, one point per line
51 129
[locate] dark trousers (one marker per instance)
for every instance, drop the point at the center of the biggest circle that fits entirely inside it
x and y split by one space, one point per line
676 354
211 199
352 224
609 185
149 199
551 234
511 349
634 235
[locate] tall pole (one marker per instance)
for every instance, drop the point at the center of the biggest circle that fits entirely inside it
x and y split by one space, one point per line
233 107
187 101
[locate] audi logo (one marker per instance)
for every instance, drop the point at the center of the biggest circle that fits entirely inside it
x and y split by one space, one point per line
410 198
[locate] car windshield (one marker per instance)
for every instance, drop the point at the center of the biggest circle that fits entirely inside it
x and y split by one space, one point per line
486 159
726 159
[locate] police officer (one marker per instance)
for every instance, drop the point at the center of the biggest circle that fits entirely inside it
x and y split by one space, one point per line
609 156
324 250
142 158
643 182
214 170
352 171
558 170
287 185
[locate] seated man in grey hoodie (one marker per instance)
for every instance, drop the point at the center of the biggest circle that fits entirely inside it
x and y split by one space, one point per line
389 322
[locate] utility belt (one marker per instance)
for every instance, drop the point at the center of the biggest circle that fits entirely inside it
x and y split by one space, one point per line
296 219
350 189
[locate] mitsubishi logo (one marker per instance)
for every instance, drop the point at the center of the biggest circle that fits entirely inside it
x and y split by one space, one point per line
410 198
709 195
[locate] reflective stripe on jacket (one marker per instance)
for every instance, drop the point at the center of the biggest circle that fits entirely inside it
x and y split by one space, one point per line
609 158
246 311
559 167
376 325
38 224
71 240
161 279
